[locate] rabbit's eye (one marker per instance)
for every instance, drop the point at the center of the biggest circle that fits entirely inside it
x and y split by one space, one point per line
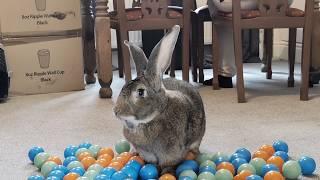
141 92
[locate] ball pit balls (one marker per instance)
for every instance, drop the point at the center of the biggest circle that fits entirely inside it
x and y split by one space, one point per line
223 174
83 155
291 169
116 165
68 160
47 167
308 165
247 167
103 162
207 169
74 164
87 162
148 171
130 172
268 149
181 168
122 146
78 170
95 167
261 154
185 178
221 160
226 165
56 173
280 146
273 175
101 177
242 175
282 154
217 155
36 177
193 164
40 159
119 175
109 171
71 176
238 162
70 151
276 160
61 168
134 164
203 157
208 163
269 167
254 177
258 163
107 150
189 173
52 178
95 149
91 174
138 159
81 150
244 152
206 176
86 145
55 159
236 155
34 151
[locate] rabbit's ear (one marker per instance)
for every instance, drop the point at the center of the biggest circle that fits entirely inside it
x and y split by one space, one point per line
160 57
138 56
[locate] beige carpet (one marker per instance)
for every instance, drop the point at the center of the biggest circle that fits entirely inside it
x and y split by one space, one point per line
54 121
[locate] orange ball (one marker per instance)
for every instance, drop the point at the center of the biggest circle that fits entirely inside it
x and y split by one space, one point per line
106 150
276 160
273 175
190 156
55 159
261 154
106 157
242 175
227 166
116 165
126 156
84 155
267 148
87 162
120 159
71 176
138 159
104 163
167 177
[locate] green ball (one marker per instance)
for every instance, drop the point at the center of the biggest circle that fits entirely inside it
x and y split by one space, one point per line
291 169
247 167
122 146
258 163
81 150
91 174
40 159
95 149
95 167
208 163
47 167
82 178
206 176
189 173
74 164
202 157
220 155
223 174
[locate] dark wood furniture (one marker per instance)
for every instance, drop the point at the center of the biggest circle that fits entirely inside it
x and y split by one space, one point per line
150 15
271 14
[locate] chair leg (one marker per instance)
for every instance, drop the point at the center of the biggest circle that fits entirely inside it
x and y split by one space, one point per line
269 52
120 54
292 55
200 50
215 57
125 54
194 45
185 52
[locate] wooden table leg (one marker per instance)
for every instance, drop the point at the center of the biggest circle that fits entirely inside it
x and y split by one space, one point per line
103 48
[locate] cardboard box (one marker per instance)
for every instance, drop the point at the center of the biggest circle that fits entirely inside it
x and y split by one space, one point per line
39 16
46 66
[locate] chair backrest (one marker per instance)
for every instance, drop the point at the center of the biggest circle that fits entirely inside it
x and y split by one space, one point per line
317 5
273 7
154 8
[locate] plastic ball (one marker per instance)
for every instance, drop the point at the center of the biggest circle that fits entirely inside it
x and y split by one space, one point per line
291 169
273 175
268 149
34 151
106 150
68 160
84 155
109 171
55 159
40 159
258 163
134 164
101 177
227 166
70 151
126 156
282 154
119 176
269 167
280 146
245 152
95 149
242 175
261 154
221 160
207 169
61 168
218 155
148 171
238 162
185 178
203 157
122 146
71 176
91 174
308 165
116 165
188 173
223 174
208 163
181 168
82 178
85 145
276 160
193 164
78 170
107 157
102 162
122 160
254 177
87 162
56 173
237 155
247 167
206 176
53 178
74 164
130 172
47 167
167 177
36 177
81 150
95 167
138 159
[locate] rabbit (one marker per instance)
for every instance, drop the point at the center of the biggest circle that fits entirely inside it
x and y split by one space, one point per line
163 119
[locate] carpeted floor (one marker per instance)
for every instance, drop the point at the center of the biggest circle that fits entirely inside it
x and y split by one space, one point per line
54 121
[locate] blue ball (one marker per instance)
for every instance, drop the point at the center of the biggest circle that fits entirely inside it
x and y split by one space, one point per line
119 176
284 156
78 170
86 145
269 167
193 164
181 168
134 164
308 165
220 160
68 160
57 173
237 155
254 177
102 177
280 146
61 168
53 178
108 171
36 177
131 172
238 162
207 169
70 151
148 171
185 178
245 152
34 151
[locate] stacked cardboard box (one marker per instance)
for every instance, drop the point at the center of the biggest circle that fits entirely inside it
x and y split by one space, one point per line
43 45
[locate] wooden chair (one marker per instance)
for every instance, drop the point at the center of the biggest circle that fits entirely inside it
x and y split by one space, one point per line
149 16
271 14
